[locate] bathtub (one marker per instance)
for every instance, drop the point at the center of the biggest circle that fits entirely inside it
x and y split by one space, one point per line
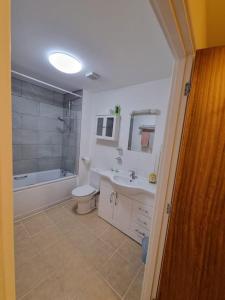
36 191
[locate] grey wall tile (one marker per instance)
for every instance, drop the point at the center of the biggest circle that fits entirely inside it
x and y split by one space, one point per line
29 151
69 165
25 166
22 136
16 87
53 111
50 138
58 99
56 150
25 106
69 152
40 140
30 122
49 163
17 120
79 115
36 93
50 124
45 151
17 152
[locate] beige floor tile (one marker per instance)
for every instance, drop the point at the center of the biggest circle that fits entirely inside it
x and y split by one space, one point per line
58 213
67 225
25 249
37 223
50 289
62 243
80 237
84 218
74 279
97 289
63 254
131 252
95 224
71 204
30 274
97 253
119 273
114 237
63 219
134 292
47 237
20 231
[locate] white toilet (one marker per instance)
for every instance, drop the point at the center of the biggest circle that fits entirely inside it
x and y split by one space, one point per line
85 195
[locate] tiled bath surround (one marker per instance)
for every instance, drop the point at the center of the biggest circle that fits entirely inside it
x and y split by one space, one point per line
38 135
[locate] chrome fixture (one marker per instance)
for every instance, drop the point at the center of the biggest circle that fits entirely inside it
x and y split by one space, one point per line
61 119
133 174
118 159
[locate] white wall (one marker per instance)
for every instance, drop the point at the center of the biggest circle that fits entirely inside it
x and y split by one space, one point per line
150 95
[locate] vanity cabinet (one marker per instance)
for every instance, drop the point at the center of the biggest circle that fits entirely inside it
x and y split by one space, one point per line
107 127
113 207
106 203
131 215
122 211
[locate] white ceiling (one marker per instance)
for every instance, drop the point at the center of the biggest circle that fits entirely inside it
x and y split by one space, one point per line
119 39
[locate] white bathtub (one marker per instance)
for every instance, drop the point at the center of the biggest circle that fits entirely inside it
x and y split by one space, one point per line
36 191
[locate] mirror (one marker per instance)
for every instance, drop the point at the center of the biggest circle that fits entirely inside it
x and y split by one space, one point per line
142 130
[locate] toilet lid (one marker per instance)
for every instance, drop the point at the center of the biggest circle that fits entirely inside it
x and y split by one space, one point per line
83 190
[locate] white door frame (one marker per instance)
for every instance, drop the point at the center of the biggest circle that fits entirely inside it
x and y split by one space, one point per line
173 18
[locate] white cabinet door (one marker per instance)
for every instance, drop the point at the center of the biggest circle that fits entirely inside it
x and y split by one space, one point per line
107 127
100 129
106 204
122 213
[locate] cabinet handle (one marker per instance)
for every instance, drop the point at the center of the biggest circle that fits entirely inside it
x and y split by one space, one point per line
145 211
110 199
143 222
116 198
139 232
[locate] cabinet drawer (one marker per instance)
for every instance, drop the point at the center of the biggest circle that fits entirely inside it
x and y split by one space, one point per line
143 209
138 232
142 220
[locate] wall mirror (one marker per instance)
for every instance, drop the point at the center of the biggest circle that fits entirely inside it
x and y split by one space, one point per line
142 130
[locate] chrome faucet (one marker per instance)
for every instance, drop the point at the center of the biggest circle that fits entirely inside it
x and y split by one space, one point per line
132 174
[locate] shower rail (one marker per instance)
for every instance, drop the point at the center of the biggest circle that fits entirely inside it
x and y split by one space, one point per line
45 83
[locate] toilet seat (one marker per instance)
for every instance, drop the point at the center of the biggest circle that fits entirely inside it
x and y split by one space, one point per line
83 191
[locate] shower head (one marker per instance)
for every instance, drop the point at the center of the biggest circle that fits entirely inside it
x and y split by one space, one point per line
61 119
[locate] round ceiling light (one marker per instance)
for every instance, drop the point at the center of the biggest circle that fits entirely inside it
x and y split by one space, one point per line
65 63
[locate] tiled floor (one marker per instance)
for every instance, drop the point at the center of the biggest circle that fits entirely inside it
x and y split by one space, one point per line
64 256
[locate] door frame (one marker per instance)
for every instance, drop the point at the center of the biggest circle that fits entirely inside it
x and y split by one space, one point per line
173 19
7 273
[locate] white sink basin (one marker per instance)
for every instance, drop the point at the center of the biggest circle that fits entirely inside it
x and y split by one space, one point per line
125 181
129 186
122 183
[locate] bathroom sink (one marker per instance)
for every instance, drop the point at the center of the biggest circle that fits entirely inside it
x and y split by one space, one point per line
127 185
122 180
124 184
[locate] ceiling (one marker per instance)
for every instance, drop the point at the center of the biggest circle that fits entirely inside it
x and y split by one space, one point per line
120 40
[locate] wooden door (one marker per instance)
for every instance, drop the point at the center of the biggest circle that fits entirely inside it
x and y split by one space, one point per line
194 257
